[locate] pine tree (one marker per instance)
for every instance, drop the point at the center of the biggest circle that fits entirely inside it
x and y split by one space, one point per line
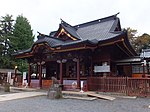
22 39
6 33
23 36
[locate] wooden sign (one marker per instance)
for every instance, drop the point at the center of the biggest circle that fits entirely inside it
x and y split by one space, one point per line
105 68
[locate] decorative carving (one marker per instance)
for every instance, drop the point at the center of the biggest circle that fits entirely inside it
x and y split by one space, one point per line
58 61
63 61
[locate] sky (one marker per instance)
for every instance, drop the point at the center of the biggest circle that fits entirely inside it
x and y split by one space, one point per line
44 15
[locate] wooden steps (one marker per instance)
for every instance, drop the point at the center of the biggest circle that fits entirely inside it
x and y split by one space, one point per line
101 96
86 95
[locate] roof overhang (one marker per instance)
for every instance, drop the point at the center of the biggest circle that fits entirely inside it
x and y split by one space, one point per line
129 61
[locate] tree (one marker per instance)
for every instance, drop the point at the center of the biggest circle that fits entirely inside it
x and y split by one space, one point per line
132 36
14 38
23 36
138 42
6 33
142 42
22 39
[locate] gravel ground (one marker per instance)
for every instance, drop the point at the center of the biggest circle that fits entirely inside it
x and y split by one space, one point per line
42 104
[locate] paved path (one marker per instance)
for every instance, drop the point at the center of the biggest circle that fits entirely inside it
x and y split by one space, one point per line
32 92
42 104
6 97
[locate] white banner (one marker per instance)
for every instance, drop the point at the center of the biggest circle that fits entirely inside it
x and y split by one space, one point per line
9 77
24 78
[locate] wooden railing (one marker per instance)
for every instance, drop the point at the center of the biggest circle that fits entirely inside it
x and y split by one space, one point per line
139 86
126 85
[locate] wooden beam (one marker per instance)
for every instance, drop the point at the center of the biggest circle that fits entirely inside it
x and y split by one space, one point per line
73 49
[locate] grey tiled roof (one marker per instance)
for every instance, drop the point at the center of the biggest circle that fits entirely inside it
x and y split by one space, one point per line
90 32
99 31
94 41
21 51
53 42
94 31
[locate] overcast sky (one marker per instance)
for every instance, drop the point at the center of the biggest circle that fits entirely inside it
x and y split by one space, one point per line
44 15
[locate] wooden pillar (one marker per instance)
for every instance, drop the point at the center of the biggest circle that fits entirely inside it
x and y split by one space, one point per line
147 65
56 71
29 75
61 73
39 66
40 75
131 69
143 70
78 74
91 68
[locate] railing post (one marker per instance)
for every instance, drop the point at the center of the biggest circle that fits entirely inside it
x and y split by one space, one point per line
127 86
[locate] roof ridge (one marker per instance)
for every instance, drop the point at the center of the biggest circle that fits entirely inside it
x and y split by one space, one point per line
67 24
112 17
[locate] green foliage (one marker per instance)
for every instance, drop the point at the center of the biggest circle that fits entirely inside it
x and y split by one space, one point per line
138 42
142 42
132 36
23 37
14 37
6 62
22 65
6 29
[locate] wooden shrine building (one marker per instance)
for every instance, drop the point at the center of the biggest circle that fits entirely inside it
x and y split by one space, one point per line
74 53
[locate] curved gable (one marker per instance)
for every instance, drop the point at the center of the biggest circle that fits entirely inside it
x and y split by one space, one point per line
64 35
66 32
